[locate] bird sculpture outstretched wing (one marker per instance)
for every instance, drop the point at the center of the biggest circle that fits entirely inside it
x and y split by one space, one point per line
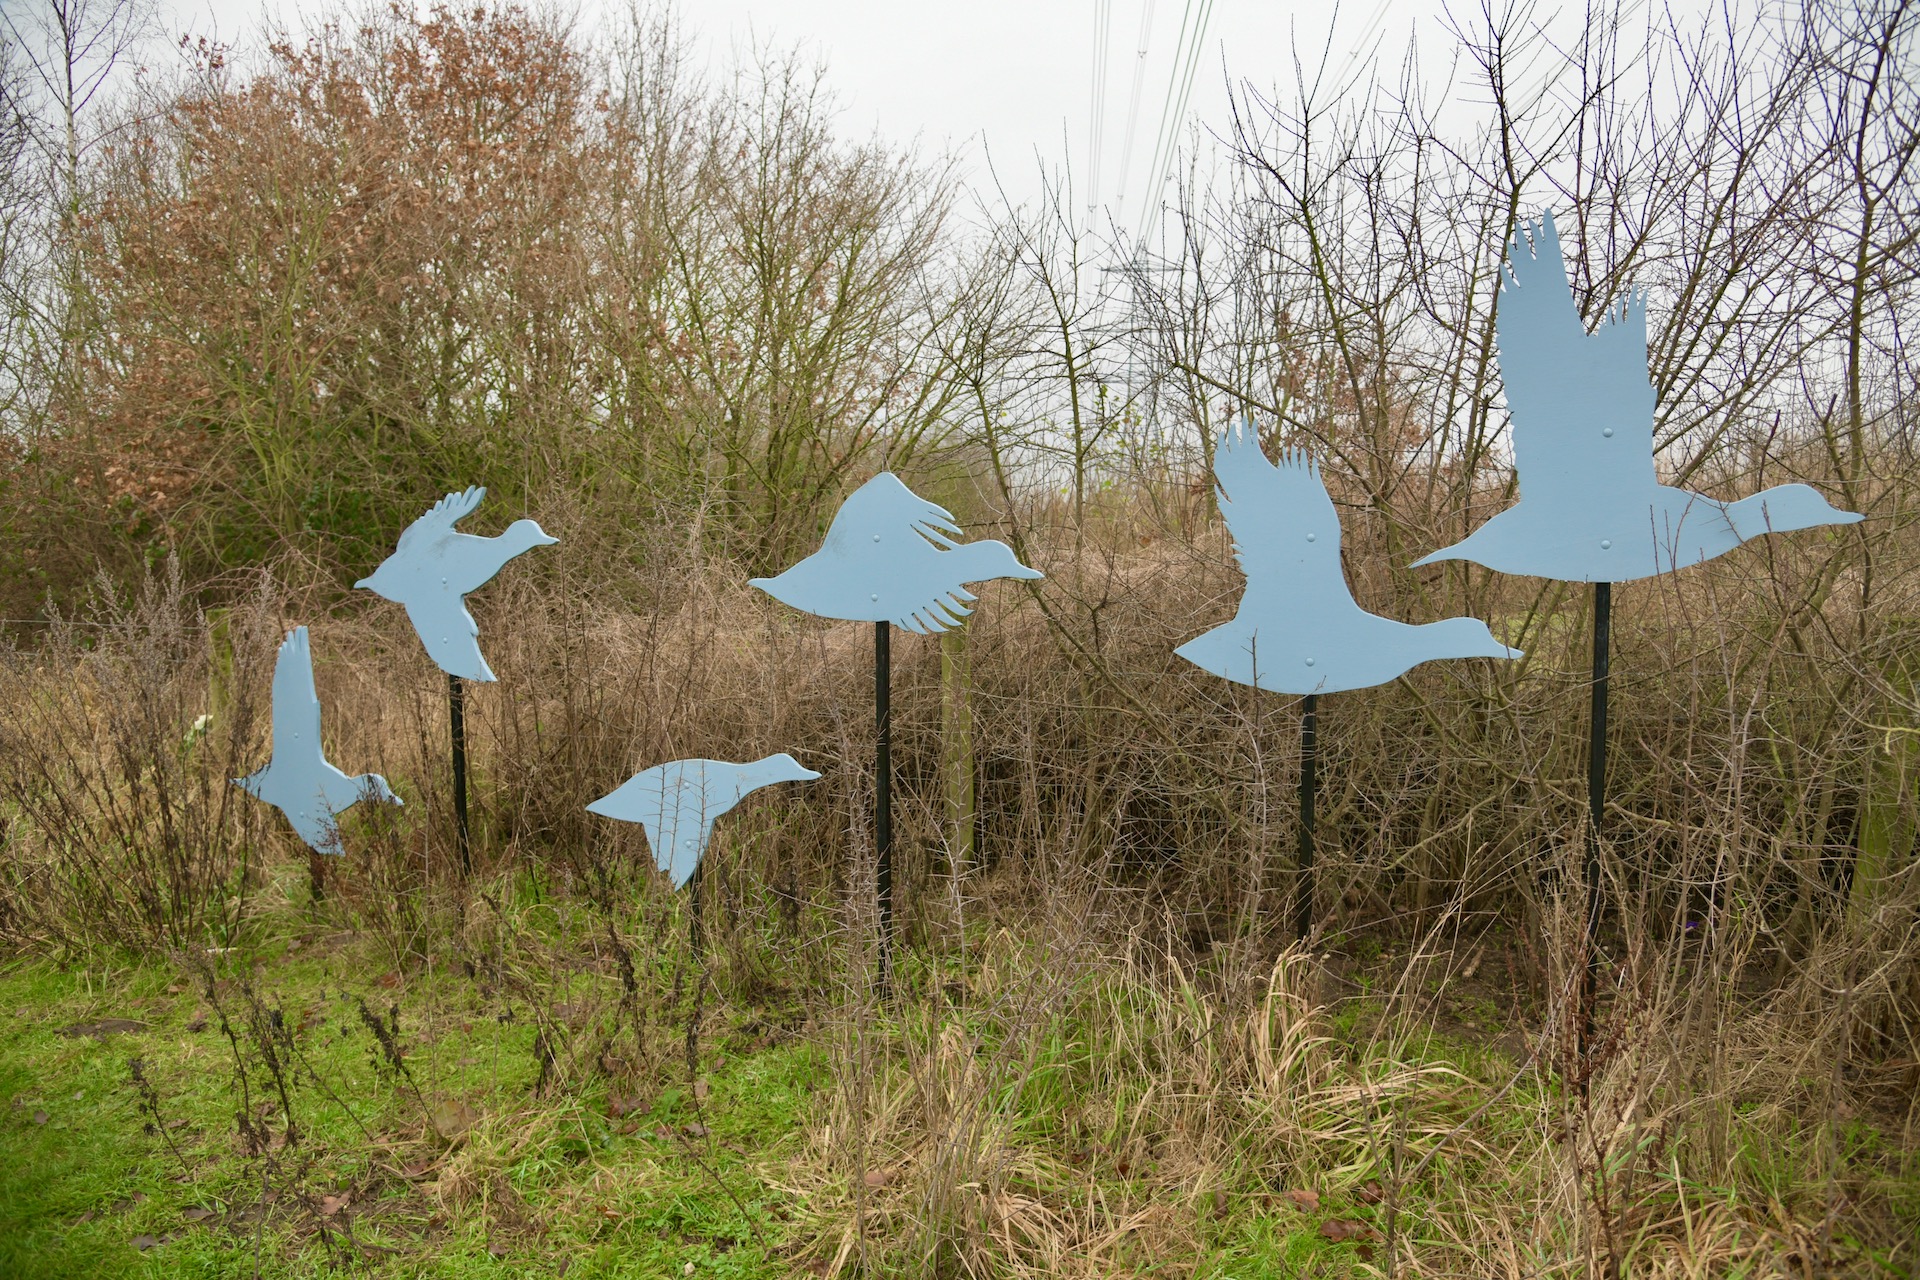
1581 403
450 635
884 508
296 703
440 518
1286 533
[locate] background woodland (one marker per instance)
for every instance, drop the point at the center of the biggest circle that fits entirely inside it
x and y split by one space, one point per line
256 315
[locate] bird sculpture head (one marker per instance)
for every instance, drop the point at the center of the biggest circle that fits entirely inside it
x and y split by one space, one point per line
524 534
987 559
374 787
780 767
1784 508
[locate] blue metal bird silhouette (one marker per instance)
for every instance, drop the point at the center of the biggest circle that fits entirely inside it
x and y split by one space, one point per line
890 556
678 802
298 780
1590 508
434 566
1297 629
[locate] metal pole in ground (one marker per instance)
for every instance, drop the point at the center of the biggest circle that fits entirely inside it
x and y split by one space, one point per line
883 796
1309 761
457 716
1596 806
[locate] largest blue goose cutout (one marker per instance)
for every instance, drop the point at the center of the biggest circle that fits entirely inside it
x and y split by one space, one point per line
1591 508
299 780
1298 629
891 556
434 566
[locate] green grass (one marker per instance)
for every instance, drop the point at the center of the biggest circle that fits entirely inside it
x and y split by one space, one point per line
533 1184
1104 1096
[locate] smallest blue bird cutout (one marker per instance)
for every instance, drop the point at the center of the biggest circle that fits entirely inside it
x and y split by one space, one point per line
891 556
434 566
1297 629
678 802
298 780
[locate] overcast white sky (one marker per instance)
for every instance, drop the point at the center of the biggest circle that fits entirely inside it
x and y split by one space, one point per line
1011 76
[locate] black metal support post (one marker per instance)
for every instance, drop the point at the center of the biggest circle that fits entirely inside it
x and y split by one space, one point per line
883 796
1309 761
1596 803
696 934
457 715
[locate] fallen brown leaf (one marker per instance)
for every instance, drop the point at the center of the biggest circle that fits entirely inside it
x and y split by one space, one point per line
330 1205
1371 1193
41 1117
697 1130
198 1214
877 1178
198 1022
453 1117
701 1089
1338 1229
1303 1198
633 1105
144 1243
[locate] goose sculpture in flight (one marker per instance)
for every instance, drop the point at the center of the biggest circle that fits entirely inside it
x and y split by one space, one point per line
299 781
678 802
434 567
1298 629
891 556
1591 508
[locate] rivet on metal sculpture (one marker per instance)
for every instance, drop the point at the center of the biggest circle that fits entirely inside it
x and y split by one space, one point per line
1297 629
434 566
1591 509
298 780
678 802
890 556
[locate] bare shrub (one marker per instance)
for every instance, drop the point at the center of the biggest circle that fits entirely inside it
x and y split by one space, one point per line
123 826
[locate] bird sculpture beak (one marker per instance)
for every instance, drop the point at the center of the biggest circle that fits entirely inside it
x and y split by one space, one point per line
1027 574
366 583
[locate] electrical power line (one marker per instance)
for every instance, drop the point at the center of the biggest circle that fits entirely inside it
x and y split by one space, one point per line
1133 102
1096 129
1186 61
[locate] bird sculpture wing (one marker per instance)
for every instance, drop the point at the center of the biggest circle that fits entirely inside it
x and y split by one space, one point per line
451 636
316 824
1581 403
884 508
1286 533
296 704
676 804
440 518
690 803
